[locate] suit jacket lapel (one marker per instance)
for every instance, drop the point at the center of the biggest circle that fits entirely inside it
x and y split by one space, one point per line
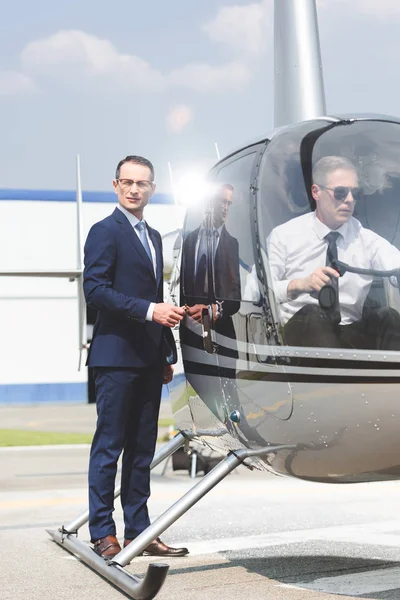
133 238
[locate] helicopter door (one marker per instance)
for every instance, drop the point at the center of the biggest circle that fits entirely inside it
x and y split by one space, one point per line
200 360
239 325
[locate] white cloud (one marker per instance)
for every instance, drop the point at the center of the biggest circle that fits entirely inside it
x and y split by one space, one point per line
75 54
13 83
76 57
206 78
179 117
243 28
376 8
77 60
379 8
247 28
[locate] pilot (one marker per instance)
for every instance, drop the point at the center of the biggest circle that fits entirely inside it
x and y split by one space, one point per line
302 255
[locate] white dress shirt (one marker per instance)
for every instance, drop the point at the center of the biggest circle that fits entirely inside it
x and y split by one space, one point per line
297 248
134 221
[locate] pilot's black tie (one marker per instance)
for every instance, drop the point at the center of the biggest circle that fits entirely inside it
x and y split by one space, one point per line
331 256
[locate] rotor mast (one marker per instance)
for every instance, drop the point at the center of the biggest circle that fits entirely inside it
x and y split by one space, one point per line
299 83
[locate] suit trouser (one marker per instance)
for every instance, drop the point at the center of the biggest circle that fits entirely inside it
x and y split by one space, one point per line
312 326
128 403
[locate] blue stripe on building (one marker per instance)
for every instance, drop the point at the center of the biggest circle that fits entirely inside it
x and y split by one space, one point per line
70 196
48 393
42 393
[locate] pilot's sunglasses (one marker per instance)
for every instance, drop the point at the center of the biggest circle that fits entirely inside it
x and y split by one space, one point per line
342 191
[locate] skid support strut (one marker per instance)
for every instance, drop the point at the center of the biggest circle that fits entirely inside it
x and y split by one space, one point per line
217 474
147 587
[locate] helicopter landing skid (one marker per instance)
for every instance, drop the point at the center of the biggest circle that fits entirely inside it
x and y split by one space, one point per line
147 587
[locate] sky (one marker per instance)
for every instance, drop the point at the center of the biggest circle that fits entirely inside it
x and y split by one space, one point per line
166 80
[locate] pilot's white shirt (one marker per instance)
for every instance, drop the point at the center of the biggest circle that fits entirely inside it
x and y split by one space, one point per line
298 247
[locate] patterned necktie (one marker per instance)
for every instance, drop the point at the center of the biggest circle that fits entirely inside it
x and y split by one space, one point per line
141 228
215 242
331 257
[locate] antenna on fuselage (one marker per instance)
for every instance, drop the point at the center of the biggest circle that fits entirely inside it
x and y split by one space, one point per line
82 334
299 83
217 151
171 178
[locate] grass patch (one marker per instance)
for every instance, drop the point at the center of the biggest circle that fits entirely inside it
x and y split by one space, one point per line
22 437
166 422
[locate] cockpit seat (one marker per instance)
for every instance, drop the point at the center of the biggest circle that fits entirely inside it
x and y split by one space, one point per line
376 296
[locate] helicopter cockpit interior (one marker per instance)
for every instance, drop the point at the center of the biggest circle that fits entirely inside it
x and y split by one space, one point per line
370 147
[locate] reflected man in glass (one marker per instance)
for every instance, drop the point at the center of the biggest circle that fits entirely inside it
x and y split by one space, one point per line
213 243
211 284
302 254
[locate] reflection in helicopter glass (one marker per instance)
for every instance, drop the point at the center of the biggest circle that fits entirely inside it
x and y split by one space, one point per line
211 240
210 270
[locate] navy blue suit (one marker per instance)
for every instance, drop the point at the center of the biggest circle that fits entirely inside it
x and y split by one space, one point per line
128 355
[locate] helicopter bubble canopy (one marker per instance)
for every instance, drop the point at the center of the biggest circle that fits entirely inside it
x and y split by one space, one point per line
267 190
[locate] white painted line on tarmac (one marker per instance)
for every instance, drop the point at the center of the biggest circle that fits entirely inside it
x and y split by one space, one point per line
40 502
379 534
51 447
354 584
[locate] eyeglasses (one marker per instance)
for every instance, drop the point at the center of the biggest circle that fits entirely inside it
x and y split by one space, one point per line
141 185
342 191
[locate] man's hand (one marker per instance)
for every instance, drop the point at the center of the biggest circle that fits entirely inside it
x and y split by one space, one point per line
168 373
196 311
312 283
167 314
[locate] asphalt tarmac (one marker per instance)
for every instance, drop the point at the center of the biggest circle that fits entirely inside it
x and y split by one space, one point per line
66 418
253 537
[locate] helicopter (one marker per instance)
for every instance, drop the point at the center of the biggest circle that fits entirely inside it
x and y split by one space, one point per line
320 413
328 403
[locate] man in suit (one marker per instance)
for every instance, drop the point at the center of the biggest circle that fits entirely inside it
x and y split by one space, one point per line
196 267
131 354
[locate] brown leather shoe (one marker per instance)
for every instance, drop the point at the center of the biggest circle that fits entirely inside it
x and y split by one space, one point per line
107 547
158 548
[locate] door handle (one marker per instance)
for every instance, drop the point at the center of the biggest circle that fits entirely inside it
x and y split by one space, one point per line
206 322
